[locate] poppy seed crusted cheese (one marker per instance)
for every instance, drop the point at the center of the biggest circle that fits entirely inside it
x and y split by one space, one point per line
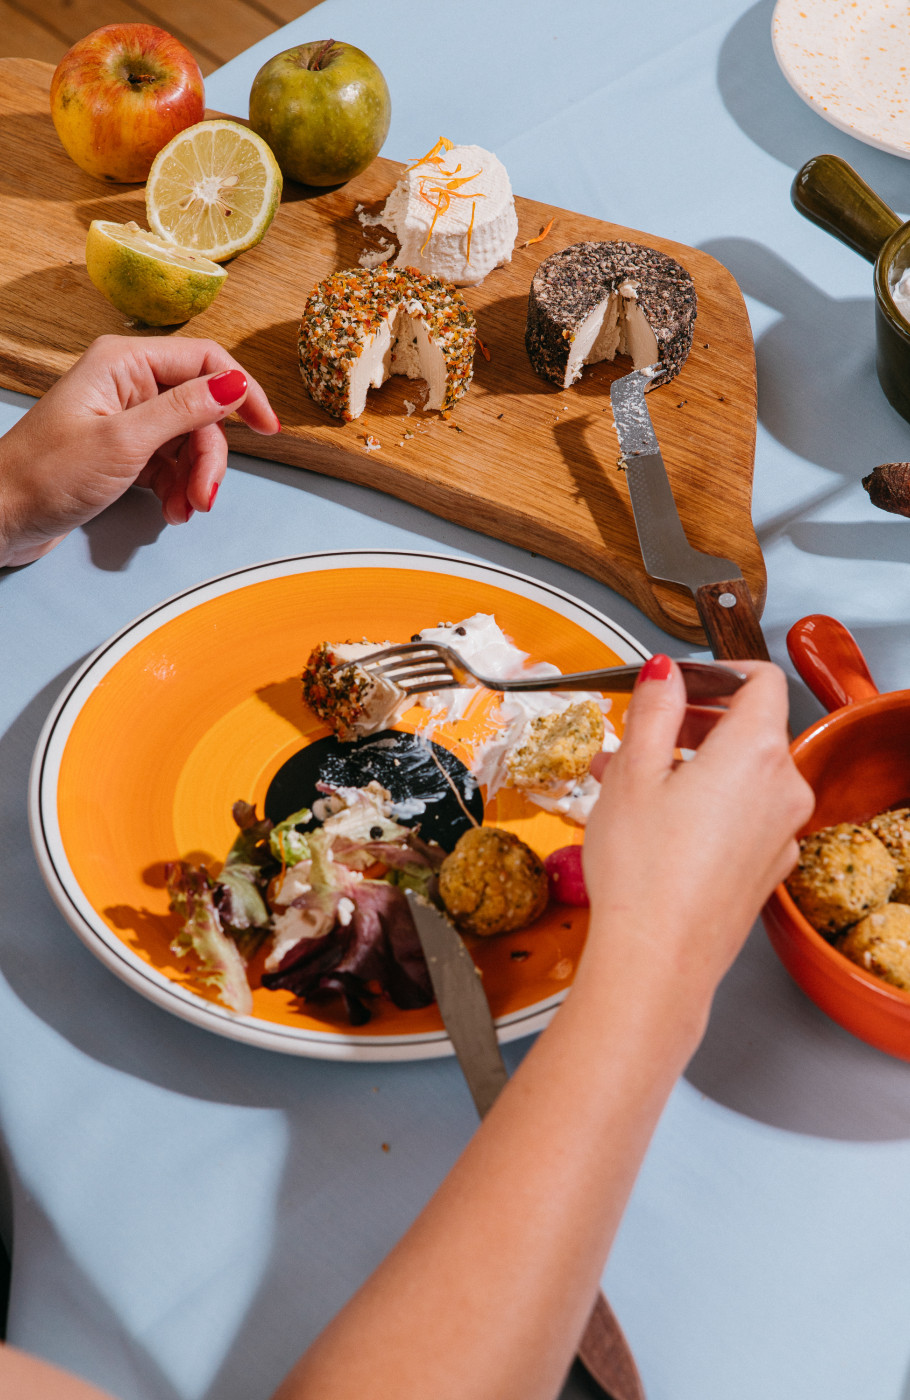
596 300
361 326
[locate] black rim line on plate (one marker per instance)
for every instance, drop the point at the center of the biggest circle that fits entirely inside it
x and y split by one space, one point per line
115 952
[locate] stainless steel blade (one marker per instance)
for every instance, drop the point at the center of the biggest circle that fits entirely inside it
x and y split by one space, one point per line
463 1003
724 604
666 552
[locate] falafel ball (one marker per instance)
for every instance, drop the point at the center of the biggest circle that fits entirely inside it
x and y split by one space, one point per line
893 829
842 873
880 943
492 883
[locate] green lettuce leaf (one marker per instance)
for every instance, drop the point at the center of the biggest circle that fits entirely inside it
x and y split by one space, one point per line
220 963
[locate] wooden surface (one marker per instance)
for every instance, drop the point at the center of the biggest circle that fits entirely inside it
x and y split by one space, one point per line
518 458
213 33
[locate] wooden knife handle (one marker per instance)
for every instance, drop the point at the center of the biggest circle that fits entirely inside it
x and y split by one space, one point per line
606 1355
730 621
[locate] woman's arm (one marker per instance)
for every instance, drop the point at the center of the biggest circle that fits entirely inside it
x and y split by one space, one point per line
487 1294
132 410
24 1377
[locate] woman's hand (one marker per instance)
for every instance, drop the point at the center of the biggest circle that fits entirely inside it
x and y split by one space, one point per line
680 857
131 411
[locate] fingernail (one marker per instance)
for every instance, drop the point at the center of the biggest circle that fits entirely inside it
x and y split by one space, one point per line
277 421
228 387
212 494
189 514
656 668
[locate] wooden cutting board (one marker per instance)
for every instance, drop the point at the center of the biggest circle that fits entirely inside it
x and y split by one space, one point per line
518 458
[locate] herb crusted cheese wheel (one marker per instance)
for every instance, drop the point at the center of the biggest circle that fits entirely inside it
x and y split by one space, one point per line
362 325
352 700
594 301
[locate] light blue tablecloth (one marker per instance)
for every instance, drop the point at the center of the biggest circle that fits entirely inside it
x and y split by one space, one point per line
186 1211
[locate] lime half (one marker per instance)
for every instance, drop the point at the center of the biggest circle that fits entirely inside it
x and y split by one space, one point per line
147 277
213 188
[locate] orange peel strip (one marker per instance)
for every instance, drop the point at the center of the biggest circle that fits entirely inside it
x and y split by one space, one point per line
433 155
440 209
541 236
453 184
481 347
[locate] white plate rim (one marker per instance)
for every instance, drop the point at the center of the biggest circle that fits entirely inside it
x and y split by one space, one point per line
127 965
787 12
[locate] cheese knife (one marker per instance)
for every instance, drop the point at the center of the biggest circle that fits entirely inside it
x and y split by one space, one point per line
465 1011
721 594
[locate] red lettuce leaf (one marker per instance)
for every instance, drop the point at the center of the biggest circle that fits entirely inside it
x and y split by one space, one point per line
379 944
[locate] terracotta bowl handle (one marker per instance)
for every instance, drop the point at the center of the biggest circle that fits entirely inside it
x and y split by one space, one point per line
829 660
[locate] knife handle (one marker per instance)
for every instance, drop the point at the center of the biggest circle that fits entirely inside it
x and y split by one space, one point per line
606 1355
730 621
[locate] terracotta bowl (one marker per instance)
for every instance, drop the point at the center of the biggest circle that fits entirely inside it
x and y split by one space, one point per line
857 760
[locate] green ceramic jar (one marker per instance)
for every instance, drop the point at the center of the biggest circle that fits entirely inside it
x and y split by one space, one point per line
829 192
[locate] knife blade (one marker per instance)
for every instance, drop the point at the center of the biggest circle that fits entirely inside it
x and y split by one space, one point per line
725 607
465 1011
462 1003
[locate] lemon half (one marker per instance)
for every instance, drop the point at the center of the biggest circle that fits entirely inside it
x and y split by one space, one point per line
147 277
213 188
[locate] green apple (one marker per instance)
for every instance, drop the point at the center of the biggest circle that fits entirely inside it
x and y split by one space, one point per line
324 108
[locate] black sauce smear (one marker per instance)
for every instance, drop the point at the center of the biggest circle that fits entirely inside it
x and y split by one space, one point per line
400 762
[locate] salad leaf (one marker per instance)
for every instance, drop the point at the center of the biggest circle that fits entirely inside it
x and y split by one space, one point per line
286 843
378 944
333 932
237 893
421 878
248 844
192 897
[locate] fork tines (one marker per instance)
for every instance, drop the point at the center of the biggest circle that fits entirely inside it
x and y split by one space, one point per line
415 667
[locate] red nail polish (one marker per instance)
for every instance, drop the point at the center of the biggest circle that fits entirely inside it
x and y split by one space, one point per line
212 494
656 668
189 513
228 387
277 422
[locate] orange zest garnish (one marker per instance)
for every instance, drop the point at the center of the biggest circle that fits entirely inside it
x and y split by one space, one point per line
440 205
442 186
541 236
453 184
481 347
467 255
433 157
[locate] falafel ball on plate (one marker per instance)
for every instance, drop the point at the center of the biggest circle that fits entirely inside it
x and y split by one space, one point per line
880 943
492 883
893 830
842 873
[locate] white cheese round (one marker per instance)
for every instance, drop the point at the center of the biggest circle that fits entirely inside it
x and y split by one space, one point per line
453 215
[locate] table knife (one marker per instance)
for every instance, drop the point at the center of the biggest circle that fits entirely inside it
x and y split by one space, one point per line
721 594
465 1011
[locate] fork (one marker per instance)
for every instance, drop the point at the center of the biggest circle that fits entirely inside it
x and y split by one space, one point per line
418 667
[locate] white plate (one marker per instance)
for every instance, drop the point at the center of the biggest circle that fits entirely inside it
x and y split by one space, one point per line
153 667
851 63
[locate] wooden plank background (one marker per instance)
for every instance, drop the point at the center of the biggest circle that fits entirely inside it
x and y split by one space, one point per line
45 29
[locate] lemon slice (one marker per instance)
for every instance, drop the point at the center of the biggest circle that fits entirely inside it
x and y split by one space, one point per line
147 277
213 188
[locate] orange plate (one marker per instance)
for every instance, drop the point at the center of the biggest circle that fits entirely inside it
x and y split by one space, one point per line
197 704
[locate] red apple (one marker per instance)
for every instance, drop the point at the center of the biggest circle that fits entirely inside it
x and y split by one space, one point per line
120 94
